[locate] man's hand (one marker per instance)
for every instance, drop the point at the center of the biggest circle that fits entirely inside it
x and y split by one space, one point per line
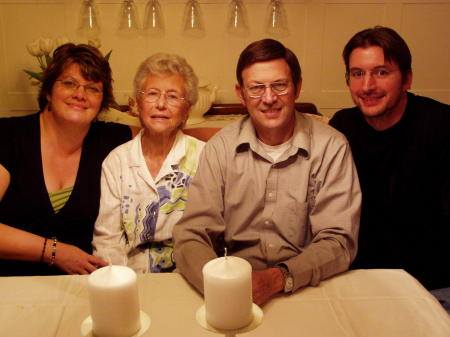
73 260
266 283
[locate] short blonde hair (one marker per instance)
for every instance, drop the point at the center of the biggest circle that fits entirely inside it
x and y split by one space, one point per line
162 63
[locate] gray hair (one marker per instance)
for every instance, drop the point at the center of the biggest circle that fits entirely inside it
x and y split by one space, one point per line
162 63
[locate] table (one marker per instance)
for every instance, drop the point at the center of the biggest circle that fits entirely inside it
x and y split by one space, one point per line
358 303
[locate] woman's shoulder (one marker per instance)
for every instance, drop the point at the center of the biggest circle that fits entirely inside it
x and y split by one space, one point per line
193 140
18 121
110 128
18 135
13 129
193 146
125 151
108 134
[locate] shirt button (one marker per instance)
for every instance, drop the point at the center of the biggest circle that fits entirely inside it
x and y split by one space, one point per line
271 245
267 222
270 194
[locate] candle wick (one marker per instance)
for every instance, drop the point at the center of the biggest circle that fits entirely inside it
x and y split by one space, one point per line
226 252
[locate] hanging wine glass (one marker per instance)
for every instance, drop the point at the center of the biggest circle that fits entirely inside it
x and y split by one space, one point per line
237 18
128 19
276 20
192 19
153 20
88 25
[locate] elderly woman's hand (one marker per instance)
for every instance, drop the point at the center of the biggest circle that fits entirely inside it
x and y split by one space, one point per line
73 260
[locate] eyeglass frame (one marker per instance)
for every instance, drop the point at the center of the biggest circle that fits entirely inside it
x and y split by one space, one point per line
162 93
78 85
268 85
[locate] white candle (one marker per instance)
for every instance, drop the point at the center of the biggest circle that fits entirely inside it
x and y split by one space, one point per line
228 292
114 302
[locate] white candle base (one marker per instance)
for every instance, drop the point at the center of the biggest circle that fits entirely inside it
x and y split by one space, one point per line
256 321
86 326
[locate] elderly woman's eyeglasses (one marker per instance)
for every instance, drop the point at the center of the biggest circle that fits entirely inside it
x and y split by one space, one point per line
89 89
258 90
152 96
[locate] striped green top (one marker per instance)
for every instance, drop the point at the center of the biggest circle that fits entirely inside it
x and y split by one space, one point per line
59 198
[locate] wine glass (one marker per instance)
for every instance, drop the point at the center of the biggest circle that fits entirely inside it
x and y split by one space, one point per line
128 19
154 19
192 19
276 20
237 18
88 25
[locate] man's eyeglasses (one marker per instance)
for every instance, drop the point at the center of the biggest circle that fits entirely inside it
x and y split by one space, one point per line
258 90
358 74
89 89
172 98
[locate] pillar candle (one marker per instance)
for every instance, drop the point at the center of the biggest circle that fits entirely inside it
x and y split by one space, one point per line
114 301
228 292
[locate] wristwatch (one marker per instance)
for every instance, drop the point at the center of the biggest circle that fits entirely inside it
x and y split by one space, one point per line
288 279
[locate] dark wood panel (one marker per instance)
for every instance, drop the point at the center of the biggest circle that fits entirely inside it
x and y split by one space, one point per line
239 109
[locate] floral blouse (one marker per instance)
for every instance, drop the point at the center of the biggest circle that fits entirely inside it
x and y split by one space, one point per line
137 213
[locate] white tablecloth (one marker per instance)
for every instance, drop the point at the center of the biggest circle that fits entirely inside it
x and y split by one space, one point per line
361 303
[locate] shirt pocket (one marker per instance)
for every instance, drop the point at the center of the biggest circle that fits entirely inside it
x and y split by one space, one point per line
295 224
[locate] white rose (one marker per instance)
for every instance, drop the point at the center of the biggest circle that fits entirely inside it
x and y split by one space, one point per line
94 42
34 49
60 41
35 82
46 45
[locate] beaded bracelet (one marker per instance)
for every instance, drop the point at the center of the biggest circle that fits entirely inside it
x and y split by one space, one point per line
52 261
43 250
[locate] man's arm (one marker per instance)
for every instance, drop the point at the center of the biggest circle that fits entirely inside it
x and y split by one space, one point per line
199 233
334 219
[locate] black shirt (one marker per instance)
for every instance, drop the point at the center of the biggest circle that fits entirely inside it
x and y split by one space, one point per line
404 173
26 203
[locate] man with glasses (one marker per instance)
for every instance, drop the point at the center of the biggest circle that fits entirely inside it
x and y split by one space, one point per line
401 145
276 188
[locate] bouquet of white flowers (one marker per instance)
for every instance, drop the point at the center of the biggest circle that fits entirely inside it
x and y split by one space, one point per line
43 49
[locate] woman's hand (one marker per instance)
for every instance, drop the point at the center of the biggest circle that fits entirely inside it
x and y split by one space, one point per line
73 260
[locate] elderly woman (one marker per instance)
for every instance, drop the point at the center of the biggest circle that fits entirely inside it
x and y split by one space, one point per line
50 166
144 182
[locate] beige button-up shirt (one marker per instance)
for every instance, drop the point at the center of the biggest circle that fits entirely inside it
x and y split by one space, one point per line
302 210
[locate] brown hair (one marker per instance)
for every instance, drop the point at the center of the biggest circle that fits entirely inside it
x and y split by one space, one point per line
268 50
394 47
93 66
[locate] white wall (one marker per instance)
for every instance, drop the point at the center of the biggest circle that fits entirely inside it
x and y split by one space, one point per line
318 31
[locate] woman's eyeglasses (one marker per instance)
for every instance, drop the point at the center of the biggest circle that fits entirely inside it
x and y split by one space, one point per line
152 96
73 85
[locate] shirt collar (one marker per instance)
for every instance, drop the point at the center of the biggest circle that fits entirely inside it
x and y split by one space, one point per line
177 152
301 140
